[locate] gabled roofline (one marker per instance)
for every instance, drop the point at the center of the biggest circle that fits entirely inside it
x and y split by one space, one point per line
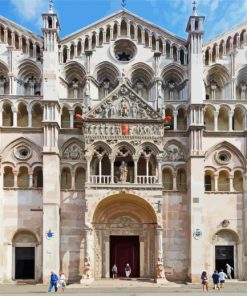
115 14
232 30
17 26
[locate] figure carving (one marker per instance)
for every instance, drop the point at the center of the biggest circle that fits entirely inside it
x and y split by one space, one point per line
173 153
123 172
73 152
86 274
160 271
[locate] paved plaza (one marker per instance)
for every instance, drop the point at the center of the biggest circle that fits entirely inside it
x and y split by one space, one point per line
126 288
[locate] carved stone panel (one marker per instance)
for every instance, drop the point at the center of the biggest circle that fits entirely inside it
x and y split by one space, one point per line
173 153
73 152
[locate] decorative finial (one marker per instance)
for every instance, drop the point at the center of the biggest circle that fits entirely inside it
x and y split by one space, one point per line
124 3
195 8
51 4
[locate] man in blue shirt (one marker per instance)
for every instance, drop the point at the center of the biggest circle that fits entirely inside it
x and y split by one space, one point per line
53 282
216 280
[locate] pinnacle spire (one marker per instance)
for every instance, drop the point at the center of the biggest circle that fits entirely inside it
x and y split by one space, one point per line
195 13
51 4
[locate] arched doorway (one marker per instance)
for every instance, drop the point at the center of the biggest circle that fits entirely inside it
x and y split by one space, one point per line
124 232
24 256
226 250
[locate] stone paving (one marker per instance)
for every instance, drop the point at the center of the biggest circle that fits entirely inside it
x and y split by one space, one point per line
126 288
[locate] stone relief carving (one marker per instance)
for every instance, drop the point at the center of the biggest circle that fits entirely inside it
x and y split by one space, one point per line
160 271
73 152
124 104
86 272
105 129
173 153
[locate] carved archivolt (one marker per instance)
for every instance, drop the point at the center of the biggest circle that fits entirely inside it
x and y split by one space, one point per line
173 153
73 152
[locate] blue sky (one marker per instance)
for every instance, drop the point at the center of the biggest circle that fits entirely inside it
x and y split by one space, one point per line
221 15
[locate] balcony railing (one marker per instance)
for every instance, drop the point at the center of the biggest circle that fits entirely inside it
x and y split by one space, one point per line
106 179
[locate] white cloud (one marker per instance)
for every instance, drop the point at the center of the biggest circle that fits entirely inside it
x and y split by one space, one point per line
30 10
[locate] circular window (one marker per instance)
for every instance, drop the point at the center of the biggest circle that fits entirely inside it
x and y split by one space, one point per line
22 152
223 157
123 50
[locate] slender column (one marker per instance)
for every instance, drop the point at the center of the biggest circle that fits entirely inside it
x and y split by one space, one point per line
29 117
175 114
71 118
112 159
68 54
216 114
230 121
118 30
14 110
135 168
160 244
104 36
76 51
5 36
135 33
88 159
217 49
171 52
73 180
216 178
150 41
143 37
210 56
1 116
231 183
157 45
128 29
13 39
164 48
30 180
20 44
147 168
100 168
224 48
174 179
159 162
15 173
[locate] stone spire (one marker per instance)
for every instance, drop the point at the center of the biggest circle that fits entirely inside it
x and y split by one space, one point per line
195 13
51 4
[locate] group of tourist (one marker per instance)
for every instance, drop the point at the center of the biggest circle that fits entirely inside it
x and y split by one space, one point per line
217 277
127 270
57 282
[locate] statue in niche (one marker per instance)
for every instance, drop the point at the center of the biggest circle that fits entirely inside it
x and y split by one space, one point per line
124 108
135 110
123 172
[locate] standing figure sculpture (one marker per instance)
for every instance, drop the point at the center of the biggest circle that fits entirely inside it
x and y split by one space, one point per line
123 172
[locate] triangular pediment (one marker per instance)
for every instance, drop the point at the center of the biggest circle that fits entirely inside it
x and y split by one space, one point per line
117 17
123 103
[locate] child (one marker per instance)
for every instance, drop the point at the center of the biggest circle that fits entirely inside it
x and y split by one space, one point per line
204 279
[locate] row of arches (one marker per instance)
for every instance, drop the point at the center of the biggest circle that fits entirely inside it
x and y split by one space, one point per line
223 181
174 179
224 118
126 29
20 42
224 47
23 177
141 77
21 115
220 85
28 81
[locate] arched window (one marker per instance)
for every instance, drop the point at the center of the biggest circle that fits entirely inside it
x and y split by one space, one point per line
38 177
237 120
80 178
66 178
182 119
23 178
167 179
108 34
8 177
139 35
223 120
22 115
224 181
209 119
238 181
181 180
209 181
65 57
65 118
7 115
123 28
37 115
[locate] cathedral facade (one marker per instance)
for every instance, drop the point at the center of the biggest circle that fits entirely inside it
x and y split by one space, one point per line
122 143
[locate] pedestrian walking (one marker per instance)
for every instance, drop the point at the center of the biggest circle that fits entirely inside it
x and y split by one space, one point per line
114 271
127 270
229 270
53 282
216 280
204 279
61 281
223 277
